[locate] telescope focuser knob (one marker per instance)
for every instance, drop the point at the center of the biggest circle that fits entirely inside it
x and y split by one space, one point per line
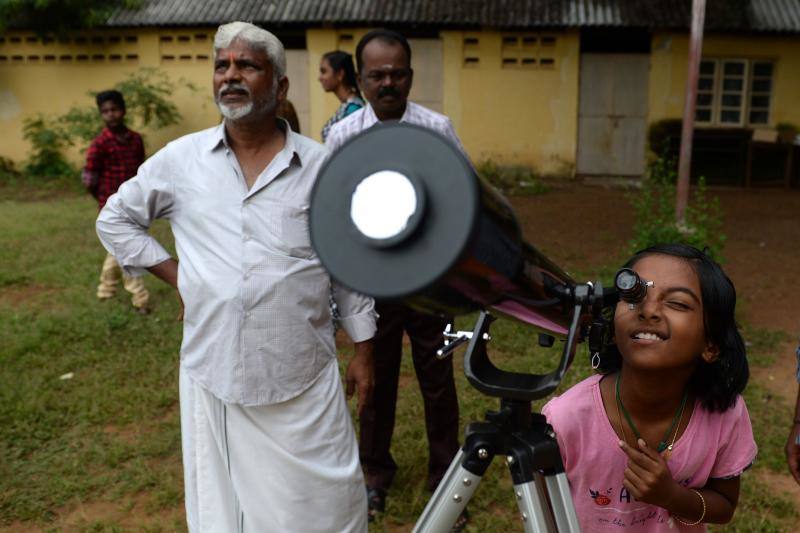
453 340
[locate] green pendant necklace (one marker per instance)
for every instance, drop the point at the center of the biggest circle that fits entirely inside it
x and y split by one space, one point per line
678 415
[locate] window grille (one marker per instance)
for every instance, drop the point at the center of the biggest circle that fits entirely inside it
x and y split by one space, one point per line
734 92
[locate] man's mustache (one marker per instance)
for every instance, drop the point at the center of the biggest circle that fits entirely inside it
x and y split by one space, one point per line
388 91
232 88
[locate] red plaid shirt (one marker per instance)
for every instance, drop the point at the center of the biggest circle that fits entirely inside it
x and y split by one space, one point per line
113 160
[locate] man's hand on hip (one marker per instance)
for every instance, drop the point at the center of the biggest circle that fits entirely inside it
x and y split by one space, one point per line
360 376
168 273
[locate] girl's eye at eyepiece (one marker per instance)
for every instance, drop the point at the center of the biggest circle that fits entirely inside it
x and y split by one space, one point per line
630 287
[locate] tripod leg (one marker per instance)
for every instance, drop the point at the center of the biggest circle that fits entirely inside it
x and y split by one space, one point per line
561 499
451 496
534 507
541 486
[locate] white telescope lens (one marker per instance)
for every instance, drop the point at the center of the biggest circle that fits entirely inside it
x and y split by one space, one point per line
382 204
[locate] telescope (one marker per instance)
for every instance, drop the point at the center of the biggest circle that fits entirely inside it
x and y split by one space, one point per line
399 213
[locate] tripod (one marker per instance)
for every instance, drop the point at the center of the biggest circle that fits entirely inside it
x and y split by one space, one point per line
524 438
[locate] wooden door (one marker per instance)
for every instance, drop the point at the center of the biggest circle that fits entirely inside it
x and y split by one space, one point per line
612 117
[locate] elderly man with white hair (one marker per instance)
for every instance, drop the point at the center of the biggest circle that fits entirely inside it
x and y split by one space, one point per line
268 444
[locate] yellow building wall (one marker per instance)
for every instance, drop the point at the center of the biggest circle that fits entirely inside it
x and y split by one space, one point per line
513 112
522 112
30 86
51 77
669 63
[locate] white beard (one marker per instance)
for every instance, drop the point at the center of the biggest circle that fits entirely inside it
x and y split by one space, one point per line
239 112
235 113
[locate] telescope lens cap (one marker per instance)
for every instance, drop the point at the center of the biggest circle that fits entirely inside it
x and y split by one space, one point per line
393 210
386 207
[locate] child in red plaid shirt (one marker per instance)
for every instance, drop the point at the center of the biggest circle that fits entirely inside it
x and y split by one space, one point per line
114 157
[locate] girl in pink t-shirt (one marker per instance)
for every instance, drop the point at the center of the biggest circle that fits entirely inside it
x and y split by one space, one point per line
658 440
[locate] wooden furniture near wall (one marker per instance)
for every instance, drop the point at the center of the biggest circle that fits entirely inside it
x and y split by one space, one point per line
785 150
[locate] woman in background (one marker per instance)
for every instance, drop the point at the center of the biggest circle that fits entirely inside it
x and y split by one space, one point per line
338 76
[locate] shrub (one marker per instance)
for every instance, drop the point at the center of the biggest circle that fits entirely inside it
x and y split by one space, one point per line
147 98
510 179
654 208
786 132
9 174
46 160
147 95
663 137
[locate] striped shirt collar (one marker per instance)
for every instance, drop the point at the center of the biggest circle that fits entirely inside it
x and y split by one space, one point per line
369 118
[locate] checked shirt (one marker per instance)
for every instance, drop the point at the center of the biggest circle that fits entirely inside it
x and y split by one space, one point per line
113 160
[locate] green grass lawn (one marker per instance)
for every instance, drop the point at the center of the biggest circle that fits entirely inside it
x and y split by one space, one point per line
110 435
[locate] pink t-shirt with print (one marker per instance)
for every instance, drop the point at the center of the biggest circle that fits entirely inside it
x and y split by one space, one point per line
714 445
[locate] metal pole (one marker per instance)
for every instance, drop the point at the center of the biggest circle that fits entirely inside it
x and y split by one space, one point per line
687 132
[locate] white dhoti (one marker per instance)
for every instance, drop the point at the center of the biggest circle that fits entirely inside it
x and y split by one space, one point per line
291 466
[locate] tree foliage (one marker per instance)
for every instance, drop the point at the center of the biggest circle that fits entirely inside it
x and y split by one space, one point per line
148 105
46 159
58 16
654 206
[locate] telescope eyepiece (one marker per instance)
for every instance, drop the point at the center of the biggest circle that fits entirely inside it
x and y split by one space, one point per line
630 287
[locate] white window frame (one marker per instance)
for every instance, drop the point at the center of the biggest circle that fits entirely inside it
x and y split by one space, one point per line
713 91
742 93
746 93
769 94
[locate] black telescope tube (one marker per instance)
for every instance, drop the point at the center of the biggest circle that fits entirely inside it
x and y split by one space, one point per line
461 251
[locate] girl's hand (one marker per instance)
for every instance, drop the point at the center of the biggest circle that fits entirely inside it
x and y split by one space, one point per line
647 477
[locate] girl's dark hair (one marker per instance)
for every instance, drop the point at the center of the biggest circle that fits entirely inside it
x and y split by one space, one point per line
342 61
717 384
113 96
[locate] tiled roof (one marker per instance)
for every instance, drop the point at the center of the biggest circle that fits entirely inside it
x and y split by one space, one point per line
721 15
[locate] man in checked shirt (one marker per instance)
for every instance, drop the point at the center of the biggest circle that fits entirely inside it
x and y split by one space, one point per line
112 158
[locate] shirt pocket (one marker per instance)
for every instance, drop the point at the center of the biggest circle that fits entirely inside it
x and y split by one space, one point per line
292 230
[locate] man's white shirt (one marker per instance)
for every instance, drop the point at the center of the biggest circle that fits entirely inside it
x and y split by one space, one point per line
257 325
415 114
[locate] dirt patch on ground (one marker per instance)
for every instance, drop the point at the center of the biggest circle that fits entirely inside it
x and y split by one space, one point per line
783 484
26 296
133 514
779 377
763 254
578 227
135 432
581 227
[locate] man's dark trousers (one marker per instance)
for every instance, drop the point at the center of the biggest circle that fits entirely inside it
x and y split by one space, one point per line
438 392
